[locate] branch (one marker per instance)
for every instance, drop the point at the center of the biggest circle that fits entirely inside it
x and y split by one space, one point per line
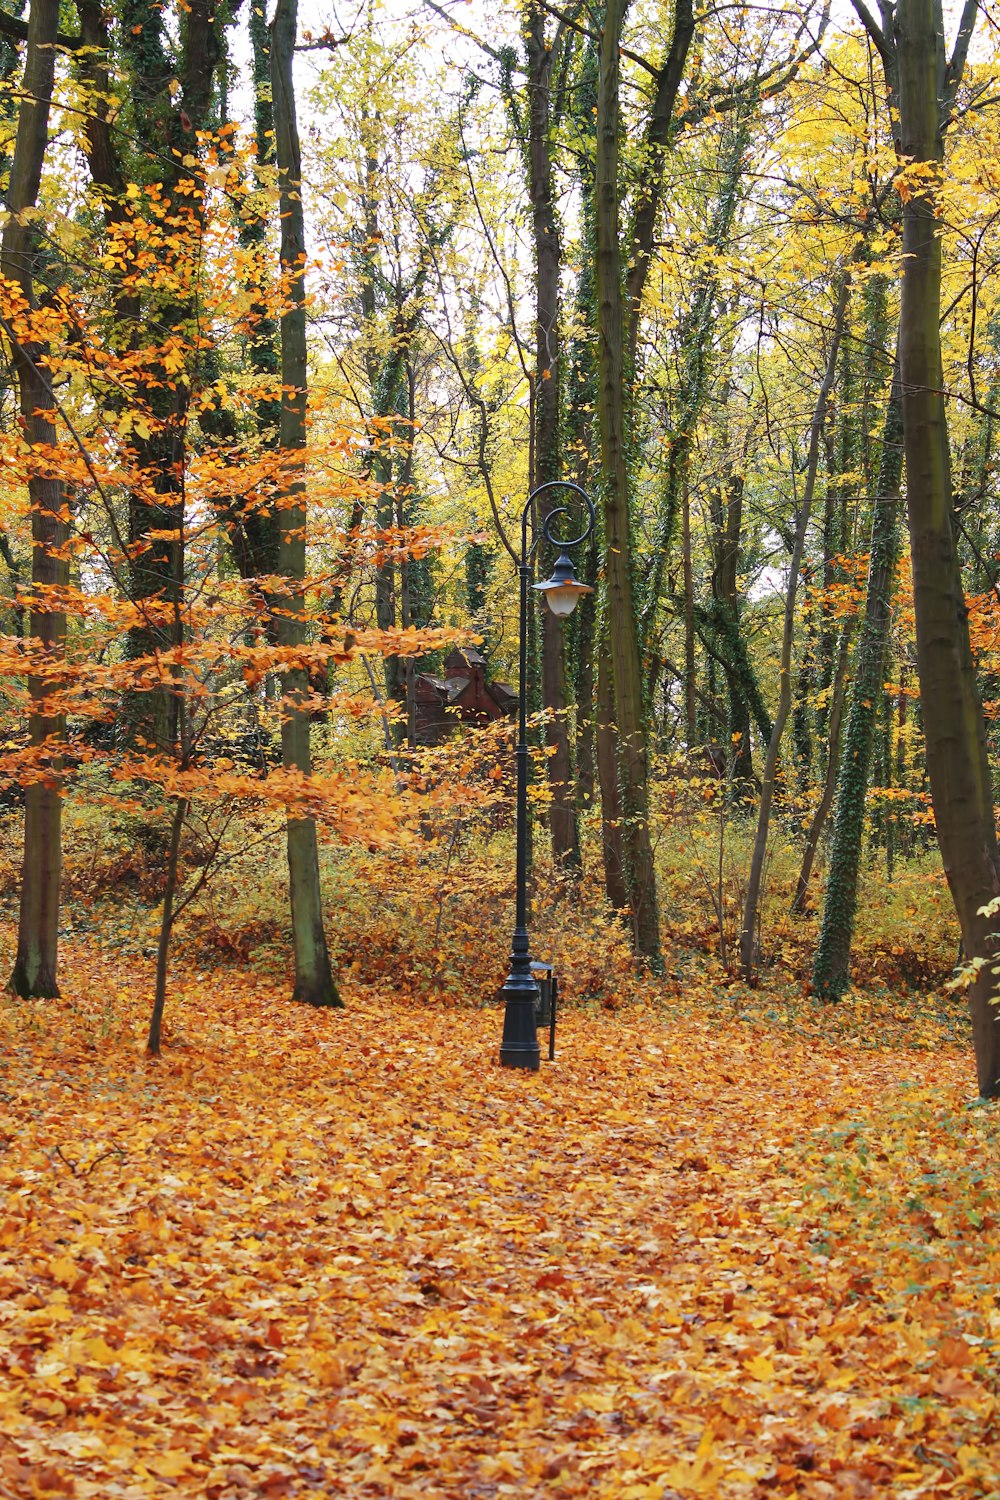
17 31
457 26
873 29
58 406
324 43
595 36
656 141
955 69
766 85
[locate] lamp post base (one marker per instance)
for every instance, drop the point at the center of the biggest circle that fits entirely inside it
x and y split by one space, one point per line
519 1047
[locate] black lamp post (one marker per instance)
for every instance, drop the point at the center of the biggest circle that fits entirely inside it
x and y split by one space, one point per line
519 1048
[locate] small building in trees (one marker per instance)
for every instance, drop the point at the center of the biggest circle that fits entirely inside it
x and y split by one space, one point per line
464 695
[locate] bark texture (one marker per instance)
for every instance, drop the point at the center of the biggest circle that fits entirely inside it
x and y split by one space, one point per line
313 976
954 728
541 57
831 968
34 973
623 635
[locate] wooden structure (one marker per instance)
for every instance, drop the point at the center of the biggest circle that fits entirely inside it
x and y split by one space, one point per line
462 696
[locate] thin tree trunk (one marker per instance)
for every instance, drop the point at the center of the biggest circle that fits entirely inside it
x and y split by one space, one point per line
253 529
751 908
35 965
819 817
181 806
313 977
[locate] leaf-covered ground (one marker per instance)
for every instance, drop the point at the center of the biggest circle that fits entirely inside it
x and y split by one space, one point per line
347 1254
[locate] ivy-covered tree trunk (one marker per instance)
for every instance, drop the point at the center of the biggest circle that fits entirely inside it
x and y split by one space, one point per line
9 63
831 968
34 972
578 434
622 631
541 55
166 129
605 739
954 728
726 502
313 977
253 528
835 724
690 683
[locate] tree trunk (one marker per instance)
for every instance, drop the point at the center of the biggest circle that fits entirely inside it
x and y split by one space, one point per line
819 817
831 968
623 634
690 705
313 977
253 529
165 131
578 436
612 842
584 620
726 502
541 55
751 908
954 729
34 972
696 358
181 806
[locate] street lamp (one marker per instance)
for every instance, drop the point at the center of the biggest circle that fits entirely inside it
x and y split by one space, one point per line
519 1047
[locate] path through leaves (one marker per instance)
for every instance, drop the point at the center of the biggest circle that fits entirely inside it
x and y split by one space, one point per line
345 1254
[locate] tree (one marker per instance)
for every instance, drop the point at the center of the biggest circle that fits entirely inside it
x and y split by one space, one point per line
954 729
313 976
623 669
831 967
910 42
751 907
38 927
544 57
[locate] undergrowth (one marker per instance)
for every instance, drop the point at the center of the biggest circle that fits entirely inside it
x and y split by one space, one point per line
431 916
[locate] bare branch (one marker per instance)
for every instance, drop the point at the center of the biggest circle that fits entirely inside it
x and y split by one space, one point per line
956 67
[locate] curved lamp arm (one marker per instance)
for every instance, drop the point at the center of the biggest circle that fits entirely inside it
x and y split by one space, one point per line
553 515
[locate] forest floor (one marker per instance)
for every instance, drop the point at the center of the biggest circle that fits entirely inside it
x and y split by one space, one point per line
320 1253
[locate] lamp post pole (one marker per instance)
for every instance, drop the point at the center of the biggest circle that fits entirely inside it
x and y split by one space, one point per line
519 1047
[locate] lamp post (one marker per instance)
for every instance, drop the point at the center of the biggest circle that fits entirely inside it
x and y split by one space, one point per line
519 1047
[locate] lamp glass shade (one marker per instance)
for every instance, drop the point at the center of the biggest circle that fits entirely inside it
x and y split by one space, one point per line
561 594
562 590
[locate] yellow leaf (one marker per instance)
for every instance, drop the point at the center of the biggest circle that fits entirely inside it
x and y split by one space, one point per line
64 1270
99 1352
169 1465
760 1368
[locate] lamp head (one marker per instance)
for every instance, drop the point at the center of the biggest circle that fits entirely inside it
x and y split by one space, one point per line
563 589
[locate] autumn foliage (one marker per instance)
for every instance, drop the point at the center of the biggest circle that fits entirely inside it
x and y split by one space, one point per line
300 331
344 1254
